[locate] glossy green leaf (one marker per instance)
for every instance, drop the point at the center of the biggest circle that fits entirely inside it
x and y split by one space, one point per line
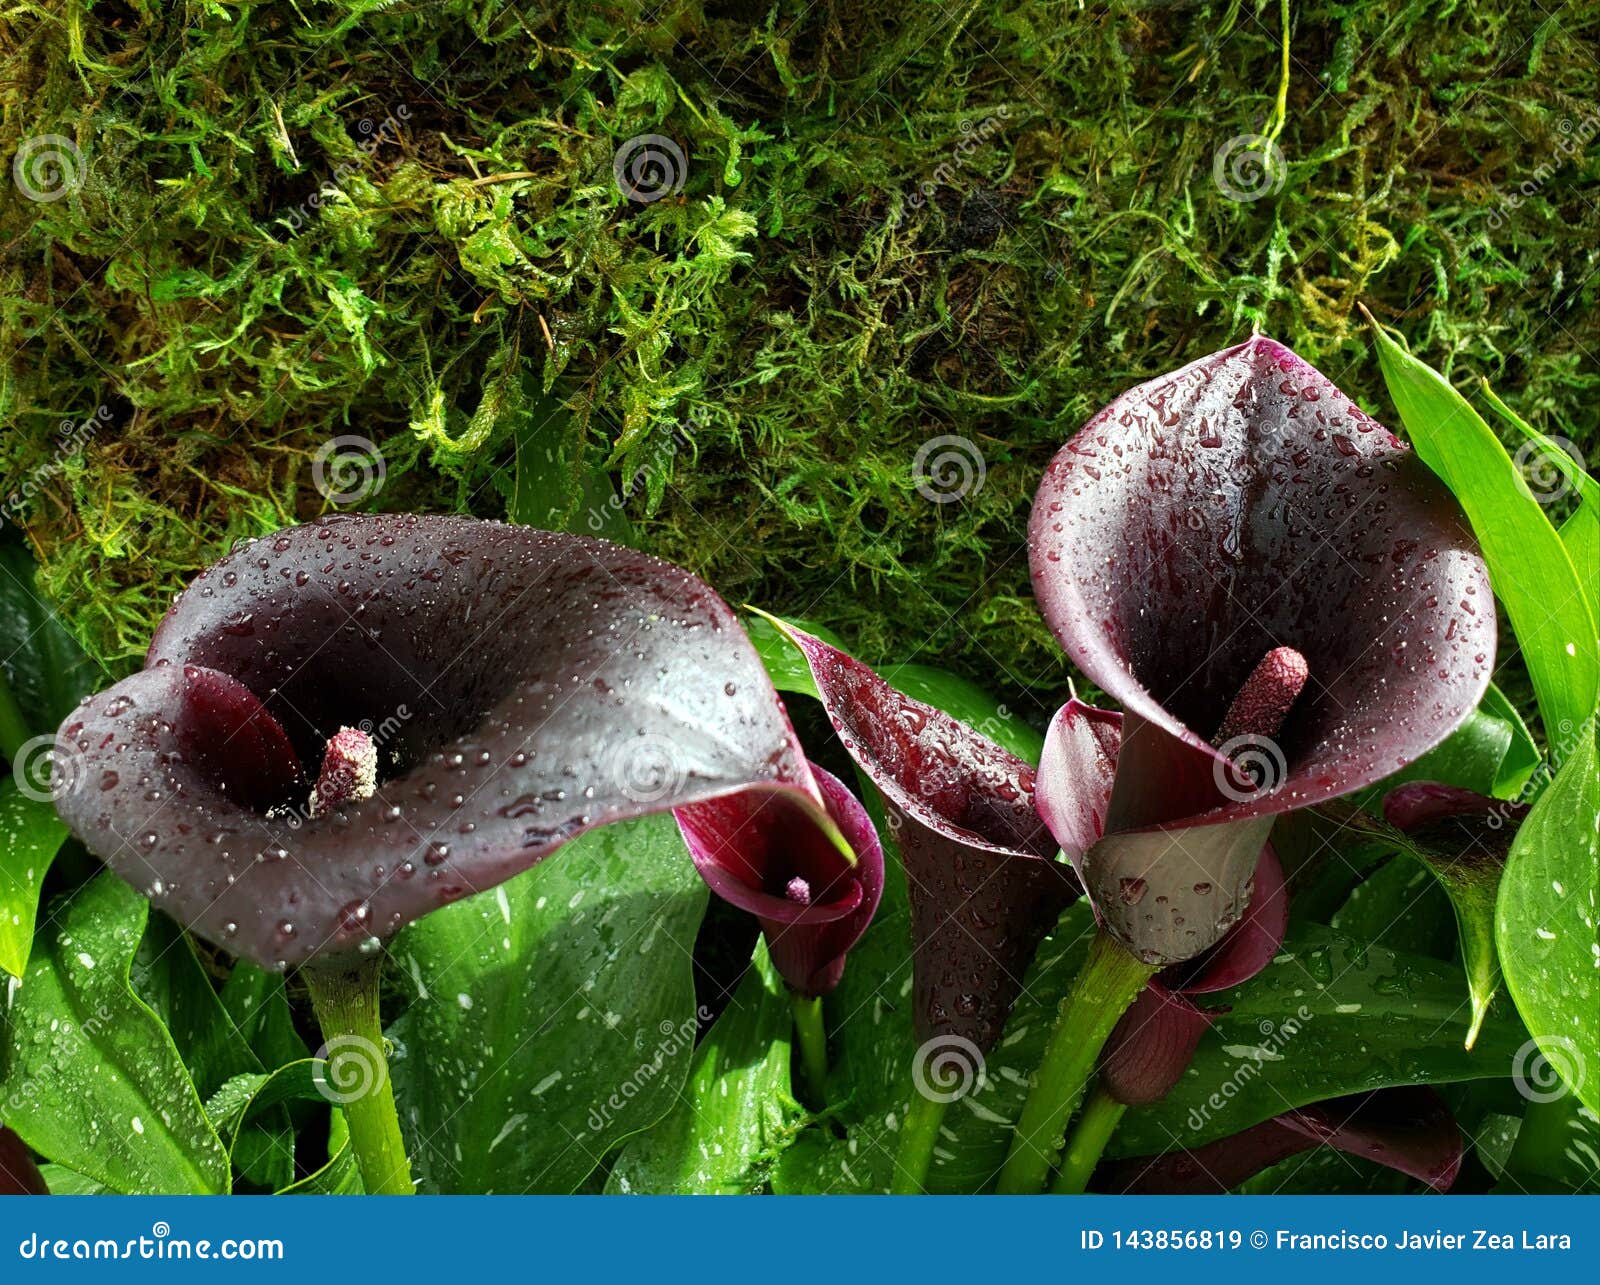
1330 1015
1560 471
30 836
168 976
41 662
1522 758
736 1113
1545 921
555 488
93 1080
1529 565
551 1017
1469 877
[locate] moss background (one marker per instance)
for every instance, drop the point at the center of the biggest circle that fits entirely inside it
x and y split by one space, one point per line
280 223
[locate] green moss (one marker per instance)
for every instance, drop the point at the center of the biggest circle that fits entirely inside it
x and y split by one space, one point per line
897 222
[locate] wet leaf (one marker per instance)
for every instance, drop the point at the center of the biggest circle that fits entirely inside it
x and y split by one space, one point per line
30 836
736 1113
550 1018
1545 922
93 1080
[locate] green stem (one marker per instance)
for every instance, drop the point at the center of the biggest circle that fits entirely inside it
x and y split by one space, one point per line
1109 982
14 729
813 1039
1101 1116
917 1140
344 993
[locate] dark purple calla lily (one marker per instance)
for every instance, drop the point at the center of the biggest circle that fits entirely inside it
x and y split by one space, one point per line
813 903
1198 526
1454 819
519 687
1154 1042
981 873
1407 1129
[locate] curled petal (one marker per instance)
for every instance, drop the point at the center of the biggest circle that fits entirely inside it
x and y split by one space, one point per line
521 687
1407 1129
1076 772
980 870
763 852
1203 520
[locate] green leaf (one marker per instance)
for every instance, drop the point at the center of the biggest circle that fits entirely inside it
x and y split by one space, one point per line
552 1017
257 1005
93 1080
1545 921
1580 532
1470 878
30 836
68 1182
1522 758
168 976
736 1113
1330 1015
554 488
1531 570
44 666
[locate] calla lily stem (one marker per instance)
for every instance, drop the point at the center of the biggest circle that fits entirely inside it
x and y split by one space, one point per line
1109 982
917 1139
812 1036
1100 1118
344 993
